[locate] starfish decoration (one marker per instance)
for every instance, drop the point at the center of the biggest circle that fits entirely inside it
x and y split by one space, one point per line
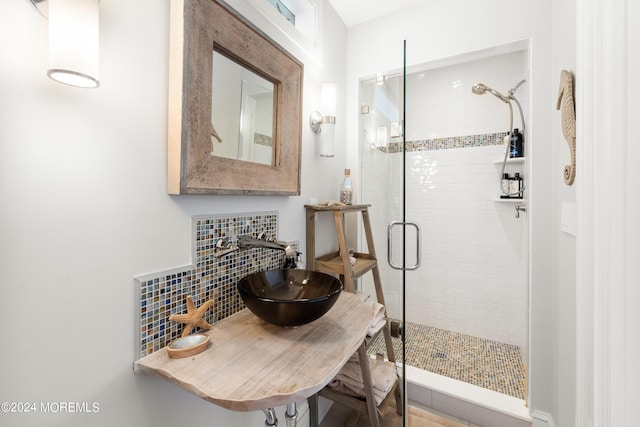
194 317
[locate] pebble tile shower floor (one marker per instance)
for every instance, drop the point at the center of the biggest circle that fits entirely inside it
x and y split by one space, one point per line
489 364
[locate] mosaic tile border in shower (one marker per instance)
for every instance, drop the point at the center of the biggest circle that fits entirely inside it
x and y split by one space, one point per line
466 141
486 363
261 139
159 295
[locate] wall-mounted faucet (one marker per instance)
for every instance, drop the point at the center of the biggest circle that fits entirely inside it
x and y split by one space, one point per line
223 247
290 254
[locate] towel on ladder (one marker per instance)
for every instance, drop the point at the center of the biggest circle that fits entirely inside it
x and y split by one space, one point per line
379 319
349 379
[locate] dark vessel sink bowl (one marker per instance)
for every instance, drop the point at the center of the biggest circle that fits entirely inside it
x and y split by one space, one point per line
289 297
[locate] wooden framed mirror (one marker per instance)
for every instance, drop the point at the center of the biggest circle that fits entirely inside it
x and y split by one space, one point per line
202 30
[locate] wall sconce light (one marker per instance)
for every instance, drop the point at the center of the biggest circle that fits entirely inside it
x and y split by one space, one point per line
73 40
324 123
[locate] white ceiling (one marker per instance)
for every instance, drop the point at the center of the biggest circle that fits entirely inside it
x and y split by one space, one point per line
355 12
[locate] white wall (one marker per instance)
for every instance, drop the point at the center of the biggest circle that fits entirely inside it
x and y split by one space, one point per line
440 103
440 29
607 246
563 313
85 209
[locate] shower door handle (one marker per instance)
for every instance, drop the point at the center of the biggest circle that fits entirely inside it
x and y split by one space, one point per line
390 245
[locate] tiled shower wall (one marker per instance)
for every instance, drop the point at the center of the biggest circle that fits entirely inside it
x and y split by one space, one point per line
159 295
473 277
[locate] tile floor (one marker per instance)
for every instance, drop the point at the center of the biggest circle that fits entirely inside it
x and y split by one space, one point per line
489 364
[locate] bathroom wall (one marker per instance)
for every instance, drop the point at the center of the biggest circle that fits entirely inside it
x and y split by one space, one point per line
439 98
563 313
440 29
85 210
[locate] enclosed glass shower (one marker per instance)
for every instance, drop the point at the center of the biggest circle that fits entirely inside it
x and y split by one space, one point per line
431 152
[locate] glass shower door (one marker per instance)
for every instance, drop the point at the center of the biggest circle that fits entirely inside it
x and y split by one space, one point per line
382 174
431 153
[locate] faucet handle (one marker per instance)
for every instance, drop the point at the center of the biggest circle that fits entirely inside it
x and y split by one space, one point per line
299 262
223 247
293 261
263 236
289 262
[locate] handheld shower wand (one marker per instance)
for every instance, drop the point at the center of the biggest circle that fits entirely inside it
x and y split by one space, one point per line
481 89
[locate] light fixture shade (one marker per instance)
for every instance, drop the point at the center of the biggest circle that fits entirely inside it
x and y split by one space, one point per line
328 99
74 42
328 139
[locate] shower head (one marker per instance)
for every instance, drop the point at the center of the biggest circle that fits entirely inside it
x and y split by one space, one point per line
481 89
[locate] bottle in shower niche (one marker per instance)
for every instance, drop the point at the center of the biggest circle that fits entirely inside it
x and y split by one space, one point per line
346 189
520 145
505 186
516 146
517 186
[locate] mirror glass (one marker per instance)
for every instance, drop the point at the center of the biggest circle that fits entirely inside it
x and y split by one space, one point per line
242 117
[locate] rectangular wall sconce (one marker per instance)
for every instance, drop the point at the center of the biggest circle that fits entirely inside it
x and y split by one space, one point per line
324 123
73 40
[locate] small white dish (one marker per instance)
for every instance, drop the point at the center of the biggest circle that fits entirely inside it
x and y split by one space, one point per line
188 346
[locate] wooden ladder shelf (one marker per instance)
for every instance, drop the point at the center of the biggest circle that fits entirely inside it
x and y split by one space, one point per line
338 263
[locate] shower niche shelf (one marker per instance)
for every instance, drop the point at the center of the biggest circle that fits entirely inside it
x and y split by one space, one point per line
517 163
511 160
498 200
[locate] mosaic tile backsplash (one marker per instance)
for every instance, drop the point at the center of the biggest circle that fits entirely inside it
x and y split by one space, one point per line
161 294
480 140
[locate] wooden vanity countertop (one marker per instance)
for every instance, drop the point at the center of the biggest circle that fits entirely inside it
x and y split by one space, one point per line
252 365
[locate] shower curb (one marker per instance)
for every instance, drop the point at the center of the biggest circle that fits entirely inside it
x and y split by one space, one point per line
465 401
